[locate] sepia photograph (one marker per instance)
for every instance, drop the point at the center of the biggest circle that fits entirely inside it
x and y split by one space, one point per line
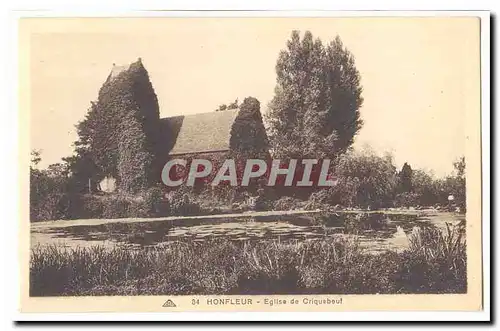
252 162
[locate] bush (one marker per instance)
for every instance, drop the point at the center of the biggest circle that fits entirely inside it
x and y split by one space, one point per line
365 180
91 206
48 209
287 203
150 203
264 200
116 207
355 223
425 189
321 196
321 200
147 204
100 206
181 204
156 202
47 194
406 199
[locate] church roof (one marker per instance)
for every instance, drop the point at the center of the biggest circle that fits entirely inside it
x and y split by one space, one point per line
198 133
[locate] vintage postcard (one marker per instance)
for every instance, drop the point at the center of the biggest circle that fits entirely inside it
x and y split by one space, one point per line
251 163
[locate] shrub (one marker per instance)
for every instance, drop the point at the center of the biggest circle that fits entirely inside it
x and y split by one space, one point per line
147 204
138 208
355 223
321 196
150 203
365 180
263 200
115 207
181 204
406 199
287 203
103 206
48 209
47 194
156 202
321 200
91 206
425 188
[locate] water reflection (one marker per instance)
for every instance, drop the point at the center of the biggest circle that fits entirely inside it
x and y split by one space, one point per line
376 230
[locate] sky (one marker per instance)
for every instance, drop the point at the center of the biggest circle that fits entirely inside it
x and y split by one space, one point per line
419 75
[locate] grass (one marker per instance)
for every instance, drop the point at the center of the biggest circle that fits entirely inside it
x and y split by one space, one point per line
434 263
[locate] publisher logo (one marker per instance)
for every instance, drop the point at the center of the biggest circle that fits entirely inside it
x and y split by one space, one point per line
169 304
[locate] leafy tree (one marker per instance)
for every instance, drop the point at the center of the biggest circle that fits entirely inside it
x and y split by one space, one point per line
98 133
58 170
425 187
81 168
232 105
453 184
222 107
458 187
364 179
47 190
315 110
426 190
405 177
459 167
35 158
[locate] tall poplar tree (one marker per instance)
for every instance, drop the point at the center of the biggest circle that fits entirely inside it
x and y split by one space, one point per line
315 110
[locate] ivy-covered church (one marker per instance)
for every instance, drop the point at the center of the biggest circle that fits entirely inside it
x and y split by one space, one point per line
129 143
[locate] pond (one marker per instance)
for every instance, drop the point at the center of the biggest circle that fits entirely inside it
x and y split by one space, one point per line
375 231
